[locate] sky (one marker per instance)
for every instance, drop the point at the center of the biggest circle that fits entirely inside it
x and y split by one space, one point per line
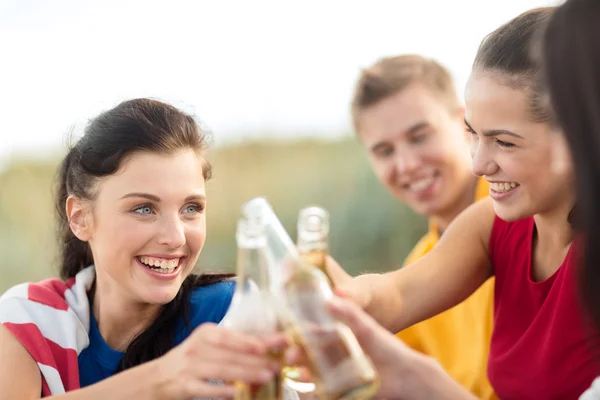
260 68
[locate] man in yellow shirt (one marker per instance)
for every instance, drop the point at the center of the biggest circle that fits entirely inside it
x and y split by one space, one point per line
408 117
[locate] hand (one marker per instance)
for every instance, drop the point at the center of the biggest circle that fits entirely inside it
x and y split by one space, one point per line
213 352
399 366
356 289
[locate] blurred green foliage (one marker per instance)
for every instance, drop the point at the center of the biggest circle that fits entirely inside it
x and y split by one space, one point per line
370 230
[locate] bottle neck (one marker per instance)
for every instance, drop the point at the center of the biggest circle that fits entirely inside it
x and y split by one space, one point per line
252 269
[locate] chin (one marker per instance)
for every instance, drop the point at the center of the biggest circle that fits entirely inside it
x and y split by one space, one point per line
510 214
429 208
160 296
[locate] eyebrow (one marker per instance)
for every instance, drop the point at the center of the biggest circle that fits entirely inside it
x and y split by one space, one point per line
157 199
495 132
413 129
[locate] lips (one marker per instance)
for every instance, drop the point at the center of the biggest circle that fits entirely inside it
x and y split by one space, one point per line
421 184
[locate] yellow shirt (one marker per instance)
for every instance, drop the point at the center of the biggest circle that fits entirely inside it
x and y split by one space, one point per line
459 338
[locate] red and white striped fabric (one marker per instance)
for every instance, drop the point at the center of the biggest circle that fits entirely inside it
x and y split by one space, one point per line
52 320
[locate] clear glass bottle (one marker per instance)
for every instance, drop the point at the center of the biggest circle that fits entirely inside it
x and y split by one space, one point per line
339 367
252 308
313 237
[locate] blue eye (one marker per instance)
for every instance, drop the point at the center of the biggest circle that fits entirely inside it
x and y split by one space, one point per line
144 210
193 208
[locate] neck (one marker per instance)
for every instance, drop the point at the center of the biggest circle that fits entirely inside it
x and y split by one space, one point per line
120 319
553 228
552 241
444 218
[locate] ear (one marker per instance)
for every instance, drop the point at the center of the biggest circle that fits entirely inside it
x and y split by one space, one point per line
79 218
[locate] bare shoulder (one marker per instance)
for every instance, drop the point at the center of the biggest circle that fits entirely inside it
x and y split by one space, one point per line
474 224
19 374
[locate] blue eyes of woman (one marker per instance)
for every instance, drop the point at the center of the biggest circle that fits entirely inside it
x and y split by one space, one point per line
148 209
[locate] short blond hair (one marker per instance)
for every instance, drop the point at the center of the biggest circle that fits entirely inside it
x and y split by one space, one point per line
391 75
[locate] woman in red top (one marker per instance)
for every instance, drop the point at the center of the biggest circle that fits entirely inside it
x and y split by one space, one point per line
542 346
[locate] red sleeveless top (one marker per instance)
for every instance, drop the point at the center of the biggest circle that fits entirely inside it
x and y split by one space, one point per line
542 345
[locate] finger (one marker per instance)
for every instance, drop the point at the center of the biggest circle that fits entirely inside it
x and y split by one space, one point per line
294 356
277 341
218 356
220 337
229 371
343 293
203 389
304 375
336 272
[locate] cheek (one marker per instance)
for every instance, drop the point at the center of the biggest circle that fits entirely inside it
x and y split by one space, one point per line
196 234
384 170
123 236
436 154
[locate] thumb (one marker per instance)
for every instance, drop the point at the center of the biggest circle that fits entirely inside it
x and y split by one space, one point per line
336 273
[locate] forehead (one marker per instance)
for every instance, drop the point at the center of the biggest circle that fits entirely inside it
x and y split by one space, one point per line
399 112
179 173
492 104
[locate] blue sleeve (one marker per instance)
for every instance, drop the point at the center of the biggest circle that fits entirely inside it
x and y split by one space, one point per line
210 303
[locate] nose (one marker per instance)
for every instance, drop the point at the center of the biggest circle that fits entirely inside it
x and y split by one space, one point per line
407 161
172 232
482 162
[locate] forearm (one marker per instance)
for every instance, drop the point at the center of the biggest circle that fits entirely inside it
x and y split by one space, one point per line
428 380
383 300
136 383
402 298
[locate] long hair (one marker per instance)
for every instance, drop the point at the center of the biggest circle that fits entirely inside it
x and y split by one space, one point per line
132 126
571 59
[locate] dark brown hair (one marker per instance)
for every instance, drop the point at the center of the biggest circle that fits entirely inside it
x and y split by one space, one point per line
571 59
132 126
506 52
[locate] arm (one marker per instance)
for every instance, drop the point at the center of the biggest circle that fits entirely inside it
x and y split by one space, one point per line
210 352
444 277
404 373
432 382
20 377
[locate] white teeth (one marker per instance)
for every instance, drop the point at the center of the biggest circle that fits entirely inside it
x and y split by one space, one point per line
421 184
503 186
164 265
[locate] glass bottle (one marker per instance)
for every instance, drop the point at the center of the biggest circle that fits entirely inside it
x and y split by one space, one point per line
338 365
252 308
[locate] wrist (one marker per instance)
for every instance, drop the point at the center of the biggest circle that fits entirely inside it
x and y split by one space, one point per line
157 380
364 292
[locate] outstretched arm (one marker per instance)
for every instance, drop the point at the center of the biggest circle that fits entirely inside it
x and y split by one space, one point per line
446 276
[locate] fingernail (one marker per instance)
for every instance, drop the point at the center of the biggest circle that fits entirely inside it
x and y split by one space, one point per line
265 375
229 391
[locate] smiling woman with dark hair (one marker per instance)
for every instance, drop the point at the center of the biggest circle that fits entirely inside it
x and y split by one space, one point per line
543 344
130 320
